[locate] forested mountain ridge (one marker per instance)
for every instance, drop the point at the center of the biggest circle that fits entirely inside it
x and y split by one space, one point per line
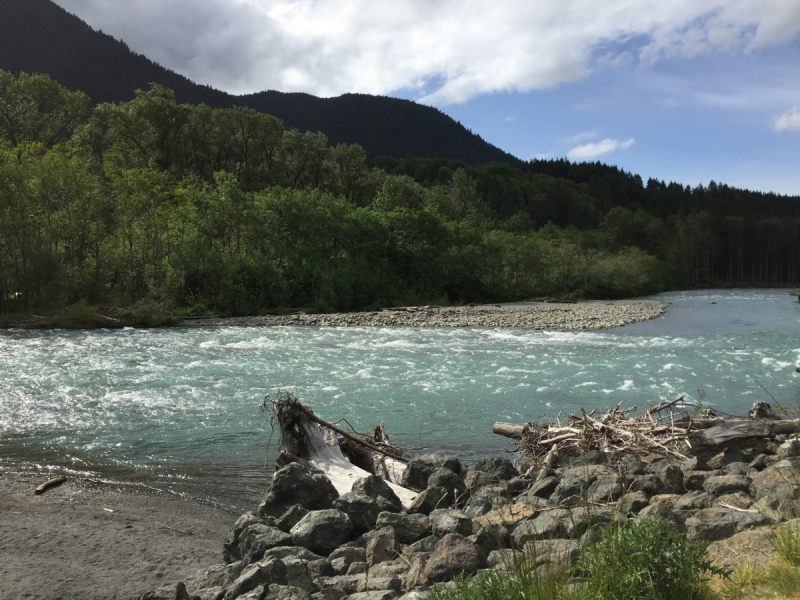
37 36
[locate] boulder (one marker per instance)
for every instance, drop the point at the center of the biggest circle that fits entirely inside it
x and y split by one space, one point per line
322 531
382 547
483 500
264 572
475 480
291 552
711 524
362 510
446 520
695 500
789 449
407 528
575 482
736 468
670 475
633 502
279 592
429 500
649 484
291 518
543 488
694 481
257 539
341 558
297 574
565 552
447 479
426 544
490 538
500 469
504 558
443 461
376 488
295 484
168 592
373 595
762 410
230 547
606 489
416 474
726 484
416 572
453 555
389 568
736 499
779 485
727 456
550 524
357 568
216 576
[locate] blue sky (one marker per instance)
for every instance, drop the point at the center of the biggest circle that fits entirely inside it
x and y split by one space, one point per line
679 90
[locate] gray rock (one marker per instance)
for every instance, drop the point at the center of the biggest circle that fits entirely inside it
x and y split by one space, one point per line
362 510
283 592
662 511
694 481
416 572
736 499
543 488
631 465
426 544
291 518
736 468
550 524
500 469
383 546
517 485
553 551
230 548
670 475
483 500
442 461
257 539
357 568
297 574
712 524
504 558
491 537
727 456
343 557
633 502
291 552
416 595
762 410
390 568
789 449
695 500
452 556
213 593
407 528
447 479
696 463
322 531
429 500
446 520
319 568
606 489
264 572
780 484
168 592
376 488
582 518
648 484
294 484
726 484
576 481
415 476
216 576
375 595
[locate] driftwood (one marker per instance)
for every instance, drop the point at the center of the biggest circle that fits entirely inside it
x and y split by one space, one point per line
56 481
727 431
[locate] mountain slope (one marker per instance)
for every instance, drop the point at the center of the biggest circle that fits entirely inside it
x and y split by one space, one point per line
37 36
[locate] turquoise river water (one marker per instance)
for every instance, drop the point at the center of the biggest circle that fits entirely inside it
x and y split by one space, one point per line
179 409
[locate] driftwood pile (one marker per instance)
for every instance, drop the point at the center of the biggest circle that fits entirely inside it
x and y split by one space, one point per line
671 428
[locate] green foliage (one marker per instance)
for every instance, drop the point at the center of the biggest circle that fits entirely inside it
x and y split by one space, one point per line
787 542
646 560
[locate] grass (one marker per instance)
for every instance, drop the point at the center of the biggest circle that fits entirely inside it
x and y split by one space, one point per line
641 560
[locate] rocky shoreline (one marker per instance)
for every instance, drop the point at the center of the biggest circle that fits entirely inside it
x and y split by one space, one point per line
594 314
307 541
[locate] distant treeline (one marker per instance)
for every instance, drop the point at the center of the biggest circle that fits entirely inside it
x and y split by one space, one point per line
178 207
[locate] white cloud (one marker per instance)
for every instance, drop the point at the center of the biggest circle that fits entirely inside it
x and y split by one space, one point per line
446 50
589 151
790 120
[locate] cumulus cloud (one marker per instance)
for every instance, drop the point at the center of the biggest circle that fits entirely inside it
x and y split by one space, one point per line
593 150
443 51
790 120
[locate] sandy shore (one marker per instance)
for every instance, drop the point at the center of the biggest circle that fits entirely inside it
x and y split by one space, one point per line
593 314
67 544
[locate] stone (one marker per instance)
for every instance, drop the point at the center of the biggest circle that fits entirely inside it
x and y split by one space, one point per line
504 558
761 462
663 511
357 568
450 481
712 524
322 531
582 518
736 499
383 546
168 592
543 488
417 595
695 500
565 552
575 482
516 485
407 528
762 410
282 592
726 484
446 520
694 481
649 484
297 574
442 461
213 593
319 568
727 456
295 484
606 489
453 555
491 537
500 469
633 502
377 488
631 465
258 538
509 514
788 449
341 558
427 544
670 475
264 572
291 518
483 500
216 576
736 468
550 524
475 480
695 463
429 500
374 595
362 510
389 568
416 572
291 552
416 474
780 483
230 548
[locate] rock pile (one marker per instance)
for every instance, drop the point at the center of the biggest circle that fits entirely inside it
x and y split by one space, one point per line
527 315
306 541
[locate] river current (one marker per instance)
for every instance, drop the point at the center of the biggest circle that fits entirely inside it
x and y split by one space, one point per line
180 409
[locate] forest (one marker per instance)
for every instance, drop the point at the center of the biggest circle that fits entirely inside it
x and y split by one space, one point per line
153 206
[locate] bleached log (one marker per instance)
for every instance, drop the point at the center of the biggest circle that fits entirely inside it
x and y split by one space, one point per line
508 430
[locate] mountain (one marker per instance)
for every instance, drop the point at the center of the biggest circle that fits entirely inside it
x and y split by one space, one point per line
38 36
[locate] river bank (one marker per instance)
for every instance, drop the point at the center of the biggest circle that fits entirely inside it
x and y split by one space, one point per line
90 540
591 314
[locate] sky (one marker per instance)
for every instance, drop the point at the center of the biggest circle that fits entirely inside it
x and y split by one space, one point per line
679 90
